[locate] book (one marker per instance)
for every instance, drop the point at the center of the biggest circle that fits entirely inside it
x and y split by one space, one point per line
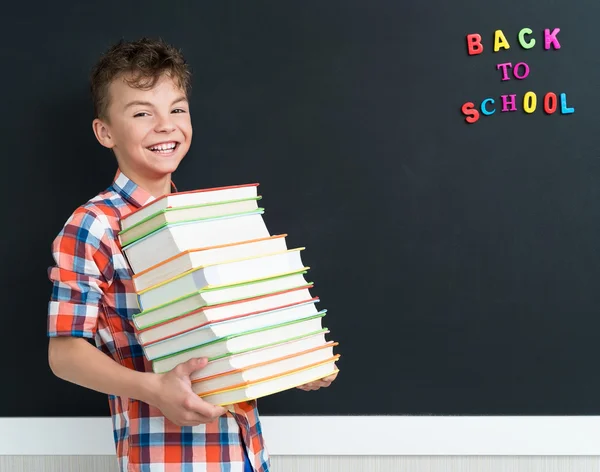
221 295
273 385
192 197
173 238
186 213
226 311
212 281
222 362
263 370
241 360
211 331
221 274
194 258
245 340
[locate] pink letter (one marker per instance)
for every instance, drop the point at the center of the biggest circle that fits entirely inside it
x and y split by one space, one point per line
506 101
550 38
504 72
515 70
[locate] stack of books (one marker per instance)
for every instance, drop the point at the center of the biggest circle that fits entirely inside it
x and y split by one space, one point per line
211 281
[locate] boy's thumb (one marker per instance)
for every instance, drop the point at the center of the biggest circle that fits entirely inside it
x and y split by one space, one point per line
187 368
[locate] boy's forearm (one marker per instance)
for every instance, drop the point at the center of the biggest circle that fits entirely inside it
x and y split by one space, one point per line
77 361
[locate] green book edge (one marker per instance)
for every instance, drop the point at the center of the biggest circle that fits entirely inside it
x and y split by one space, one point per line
318 314
263 294
321 314
186 207
232 261
212 289
184 222
243 351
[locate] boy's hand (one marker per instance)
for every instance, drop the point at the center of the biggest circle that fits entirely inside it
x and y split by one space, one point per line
317 384
177 401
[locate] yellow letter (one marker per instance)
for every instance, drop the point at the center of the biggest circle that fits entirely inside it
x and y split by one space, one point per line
529 102
500 41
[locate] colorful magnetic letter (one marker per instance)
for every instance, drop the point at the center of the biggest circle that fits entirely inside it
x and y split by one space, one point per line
551 39
516 69
529 102
474 45
500 41
472 115
504 71
563 105
509 101
483 108
526 45
550 103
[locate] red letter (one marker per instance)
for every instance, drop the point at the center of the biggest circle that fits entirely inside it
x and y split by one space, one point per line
474 44
504 71
550 108
469 111
511 102
550 38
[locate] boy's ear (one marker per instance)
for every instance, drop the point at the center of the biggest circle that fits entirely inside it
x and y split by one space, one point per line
102 132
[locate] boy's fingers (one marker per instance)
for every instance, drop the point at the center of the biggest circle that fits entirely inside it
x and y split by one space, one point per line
189 367
195 404
317 384
330 378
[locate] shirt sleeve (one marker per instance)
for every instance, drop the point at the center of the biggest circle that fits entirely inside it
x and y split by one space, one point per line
80 276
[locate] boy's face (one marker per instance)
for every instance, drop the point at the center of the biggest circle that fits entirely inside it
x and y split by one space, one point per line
150 131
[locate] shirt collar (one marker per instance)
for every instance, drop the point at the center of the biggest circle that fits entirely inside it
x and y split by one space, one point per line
132 192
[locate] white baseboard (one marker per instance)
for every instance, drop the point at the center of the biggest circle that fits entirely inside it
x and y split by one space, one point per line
340 435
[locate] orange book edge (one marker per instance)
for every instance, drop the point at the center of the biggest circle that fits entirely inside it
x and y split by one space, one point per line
206 248
270 377
260 364
314 299
243 399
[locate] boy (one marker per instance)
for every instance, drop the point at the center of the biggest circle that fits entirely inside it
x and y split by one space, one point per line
140 94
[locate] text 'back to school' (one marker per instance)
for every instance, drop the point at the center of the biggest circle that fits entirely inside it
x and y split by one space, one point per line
550 101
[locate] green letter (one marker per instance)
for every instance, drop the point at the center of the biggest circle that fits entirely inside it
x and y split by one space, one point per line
531 42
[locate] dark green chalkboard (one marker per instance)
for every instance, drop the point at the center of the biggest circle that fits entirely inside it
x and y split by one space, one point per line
459 262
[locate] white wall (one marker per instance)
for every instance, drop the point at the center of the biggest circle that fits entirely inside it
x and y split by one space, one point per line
333 464
353 444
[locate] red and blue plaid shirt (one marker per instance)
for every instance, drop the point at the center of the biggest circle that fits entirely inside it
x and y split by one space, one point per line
93 297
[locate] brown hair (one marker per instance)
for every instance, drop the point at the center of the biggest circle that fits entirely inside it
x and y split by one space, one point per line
141 63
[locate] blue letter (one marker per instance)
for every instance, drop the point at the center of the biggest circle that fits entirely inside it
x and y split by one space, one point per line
483 109
563 105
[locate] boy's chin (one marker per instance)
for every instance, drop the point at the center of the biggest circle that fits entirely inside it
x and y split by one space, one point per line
160 169
167 162
167 168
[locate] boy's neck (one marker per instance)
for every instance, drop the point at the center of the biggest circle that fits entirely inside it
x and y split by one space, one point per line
158 189
155 187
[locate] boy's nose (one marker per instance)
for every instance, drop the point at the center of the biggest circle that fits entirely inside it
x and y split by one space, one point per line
165 125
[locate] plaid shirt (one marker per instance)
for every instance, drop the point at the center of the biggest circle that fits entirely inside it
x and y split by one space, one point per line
93 296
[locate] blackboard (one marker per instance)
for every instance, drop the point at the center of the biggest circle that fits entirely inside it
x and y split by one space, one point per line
458 261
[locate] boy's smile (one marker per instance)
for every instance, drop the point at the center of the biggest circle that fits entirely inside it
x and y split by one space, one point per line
150 131
166 149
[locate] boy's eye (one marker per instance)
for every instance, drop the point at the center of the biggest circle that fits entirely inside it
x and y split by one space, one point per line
179 110
142 113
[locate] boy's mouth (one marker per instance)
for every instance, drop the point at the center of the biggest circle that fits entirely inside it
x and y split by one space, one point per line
165 148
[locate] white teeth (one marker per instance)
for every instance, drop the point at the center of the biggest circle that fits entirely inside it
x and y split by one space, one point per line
163 147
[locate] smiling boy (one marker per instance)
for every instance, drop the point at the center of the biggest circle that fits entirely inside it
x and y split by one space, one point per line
140 94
